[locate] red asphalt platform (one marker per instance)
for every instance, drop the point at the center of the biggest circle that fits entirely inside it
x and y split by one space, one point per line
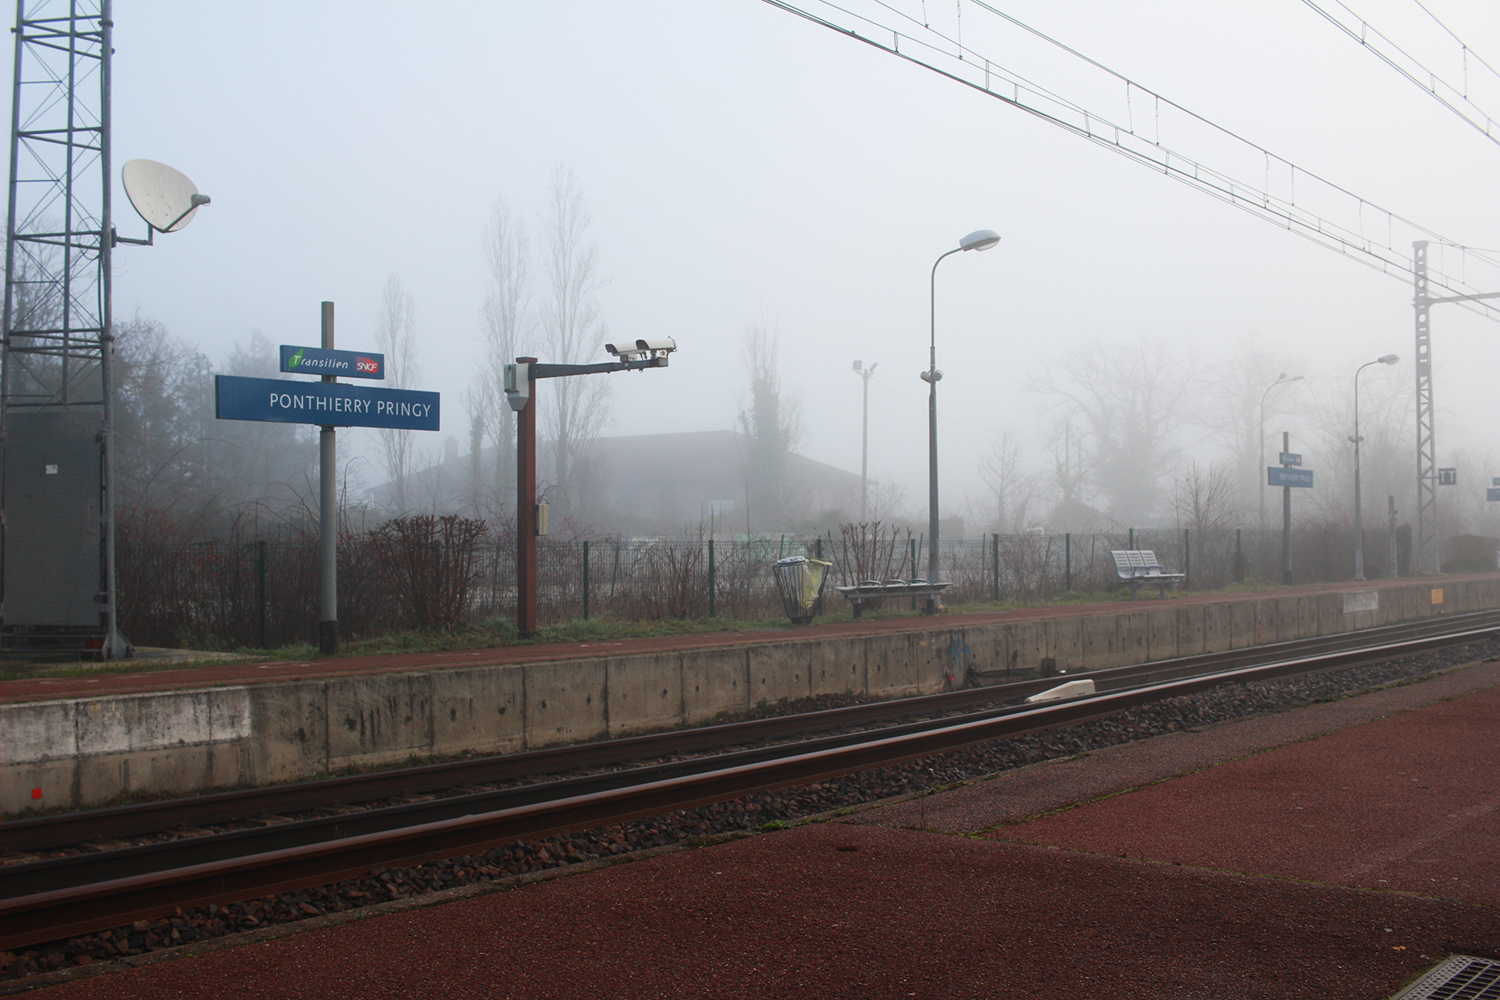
1337 852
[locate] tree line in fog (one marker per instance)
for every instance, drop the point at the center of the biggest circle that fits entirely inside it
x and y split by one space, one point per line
1126 433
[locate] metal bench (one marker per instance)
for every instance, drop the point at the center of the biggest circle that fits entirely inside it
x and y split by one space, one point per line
1138 566
869 590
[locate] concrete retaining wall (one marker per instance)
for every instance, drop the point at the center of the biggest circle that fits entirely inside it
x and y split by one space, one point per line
88 752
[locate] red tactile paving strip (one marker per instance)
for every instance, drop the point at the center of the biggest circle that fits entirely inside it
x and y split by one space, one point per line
39 689
863 910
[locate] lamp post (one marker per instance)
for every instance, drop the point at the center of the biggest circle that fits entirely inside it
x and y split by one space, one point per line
1280 380
1359 528
981 239
864 442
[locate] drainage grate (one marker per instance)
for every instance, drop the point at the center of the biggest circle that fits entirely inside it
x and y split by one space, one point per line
1461 977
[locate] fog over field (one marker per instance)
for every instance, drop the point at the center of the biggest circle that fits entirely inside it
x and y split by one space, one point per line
745 169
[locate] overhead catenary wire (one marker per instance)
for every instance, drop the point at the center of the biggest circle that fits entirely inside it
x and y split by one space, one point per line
929 47
1410 67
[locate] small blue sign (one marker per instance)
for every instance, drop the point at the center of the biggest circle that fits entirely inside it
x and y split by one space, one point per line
344 364
1287 457
1493 493
328 403
1288 477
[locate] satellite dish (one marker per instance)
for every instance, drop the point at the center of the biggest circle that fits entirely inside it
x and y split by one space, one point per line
164 197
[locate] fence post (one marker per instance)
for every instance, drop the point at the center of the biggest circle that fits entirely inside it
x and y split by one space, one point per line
1067 560
819 547
1187 561
260 573
585 579
1131 544
713 607
995 559
913 570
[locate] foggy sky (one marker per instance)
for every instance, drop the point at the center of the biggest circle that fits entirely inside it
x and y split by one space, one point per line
744 165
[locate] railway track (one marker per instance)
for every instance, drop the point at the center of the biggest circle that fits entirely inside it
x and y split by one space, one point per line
72 894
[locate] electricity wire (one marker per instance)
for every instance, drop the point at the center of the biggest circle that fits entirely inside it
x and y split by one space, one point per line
927 46
1409 66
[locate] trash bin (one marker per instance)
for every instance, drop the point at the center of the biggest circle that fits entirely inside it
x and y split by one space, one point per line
800 581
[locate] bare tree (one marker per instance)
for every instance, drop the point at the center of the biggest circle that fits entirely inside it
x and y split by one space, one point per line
396 336
577 408
1012 488
260 466
503 320
771 426
1237 390
1384 424
163 422
1207 499
1131 396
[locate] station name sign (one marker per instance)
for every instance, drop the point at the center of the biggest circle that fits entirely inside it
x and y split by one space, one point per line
327 403
1288 477
326 361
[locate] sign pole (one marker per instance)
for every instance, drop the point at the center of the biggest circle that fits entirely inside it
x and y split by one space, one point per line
328 527
526 505
1286 518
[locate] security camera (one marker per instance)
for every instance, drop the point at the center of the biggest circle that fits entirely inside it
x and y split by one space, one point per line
625 352
660 344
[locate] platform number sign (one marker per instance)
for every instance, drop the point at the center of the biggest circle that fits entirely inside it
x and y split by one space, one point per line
1447 477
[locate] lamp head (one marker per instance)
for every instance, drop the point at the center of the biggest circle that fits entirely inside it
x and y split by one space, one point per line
1388 359
980 239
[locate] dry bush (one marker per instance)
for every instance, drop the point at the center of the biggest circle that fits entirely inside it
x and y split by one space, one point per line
430 563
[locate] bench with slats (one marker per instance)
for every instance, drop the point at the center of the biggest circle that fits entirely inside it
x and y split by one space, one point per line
870 590
1138 566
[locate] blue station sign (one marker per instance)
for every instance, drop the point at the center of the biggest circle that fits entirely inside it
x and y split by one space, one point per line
320 361
1493 493
1288 477
327 403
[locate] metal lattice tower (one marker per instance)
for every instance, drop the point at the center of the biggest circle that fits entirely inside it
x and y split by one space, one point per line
1427 541
56 508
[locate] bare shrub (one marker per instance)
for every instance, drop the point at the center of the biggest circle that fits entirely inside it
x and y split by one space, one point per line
430 564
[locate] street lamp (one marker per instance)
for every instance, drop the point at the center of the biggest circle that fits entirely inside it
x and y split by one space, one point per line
981 239
1280 380
1359 528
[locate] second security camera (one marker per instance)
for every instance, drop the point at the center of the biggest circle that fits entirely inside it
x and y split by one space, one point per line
657 349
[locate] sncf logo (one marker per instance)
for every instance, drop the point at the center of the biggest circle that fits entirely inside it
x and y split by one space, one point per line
369 365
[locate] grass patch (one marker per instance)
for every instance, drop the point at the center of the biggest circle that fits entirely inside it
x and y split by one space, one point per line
499 631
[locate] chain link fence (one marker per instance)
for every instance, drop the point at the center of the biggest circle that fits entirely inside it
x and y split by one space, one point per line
446 572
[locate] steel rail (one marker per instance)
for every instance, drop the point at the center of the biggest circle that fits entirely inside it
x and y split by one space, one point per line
66 912
49 832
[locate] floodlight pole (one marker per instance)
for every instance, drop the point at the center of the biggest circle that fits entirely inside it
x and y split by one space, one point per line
524 404
864 442
328 517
